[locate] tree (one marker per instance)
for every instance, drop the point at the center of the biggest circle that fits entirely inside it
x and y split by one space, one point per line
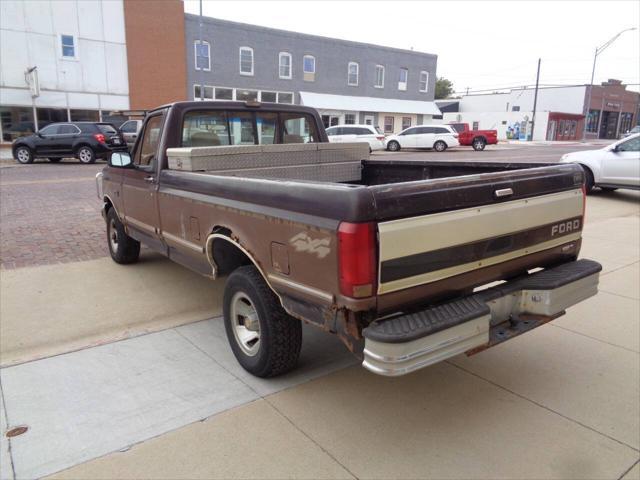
444 88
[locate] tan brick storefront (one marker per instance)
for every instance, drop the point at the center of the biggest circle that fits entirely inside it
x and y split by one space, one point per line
155 52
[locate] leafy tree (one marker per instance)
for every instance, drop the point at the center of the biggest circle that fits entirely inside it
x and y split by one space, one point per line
444 88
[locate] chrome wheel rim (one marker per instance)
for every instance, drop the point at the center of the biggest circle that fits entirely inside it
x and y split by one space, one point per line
478 144
245 324
23 155
113 236
439 147
393 146
84 155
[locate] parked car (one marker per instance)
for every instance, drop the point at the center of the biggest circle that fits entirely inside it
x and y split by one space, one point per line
612 167
84 140
357 133
437 137
478 139
130 130
384 253
635 129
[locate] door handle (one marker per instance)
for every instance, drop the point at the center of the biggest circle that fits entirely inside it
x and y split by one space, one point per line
149 179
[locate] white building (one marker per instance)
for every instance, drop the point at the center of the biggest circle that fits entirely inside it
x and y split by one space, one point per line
79 50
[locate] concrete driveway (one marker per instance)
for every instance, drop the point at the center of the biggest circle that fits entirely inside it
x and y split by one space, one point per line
562 401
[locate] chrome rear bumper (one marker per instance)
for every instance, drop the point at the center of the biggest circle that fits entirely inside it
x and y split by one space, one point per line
399 345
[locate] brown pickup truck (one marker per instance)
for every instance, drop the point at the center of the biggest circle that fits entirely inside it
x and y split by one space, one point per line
408 262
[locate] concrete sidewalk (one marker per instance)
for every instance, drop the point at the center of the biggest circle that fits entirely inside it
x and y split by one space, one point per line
562 401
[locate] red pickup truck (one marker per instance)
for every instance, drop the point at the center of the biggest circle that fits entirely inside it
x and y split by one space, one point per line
478 139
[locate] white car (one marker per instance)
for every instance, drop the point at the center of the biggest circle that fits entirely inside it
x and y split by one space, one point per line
357 133
438 137
614 166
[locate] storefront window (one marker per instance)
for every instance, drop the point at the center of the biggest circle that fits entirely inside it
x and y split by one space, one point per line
625 122
51 115
16 122
388 124
349 119
592 121
85 116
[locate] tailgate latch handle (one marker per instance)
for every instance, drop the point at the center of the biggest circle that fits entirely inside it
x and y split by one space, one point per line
503 192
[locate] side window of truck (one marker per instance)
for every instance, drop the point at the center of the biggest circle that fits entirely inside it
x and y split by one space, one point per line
205 129
298 128
148 150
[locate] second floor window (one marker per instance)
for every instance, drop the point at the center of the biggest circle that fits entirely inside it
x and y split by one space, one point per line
424 81
379 76
246 61
284 65
203 55
309 68
68 46
352 74
403 79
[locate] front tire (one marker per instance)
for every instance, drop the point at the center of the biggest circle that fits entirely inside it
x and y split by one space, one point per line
439 146
265 340
589 183
24 155
86 155
122 247
393 146
479 144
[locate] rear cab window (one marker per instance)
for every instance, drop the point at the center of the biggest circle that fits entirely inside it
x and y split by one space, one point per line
206 128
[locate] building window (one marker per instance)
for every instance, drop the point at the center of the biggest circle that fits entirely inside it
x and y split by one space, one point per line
285 97
379 76
515 108
224 93
207 93
68 46
246 61
403 79
349 119
388 124
271 97
476 126
202 53
406 122
246 95
424 81
352 74
284 65
625 122
309 68
592 121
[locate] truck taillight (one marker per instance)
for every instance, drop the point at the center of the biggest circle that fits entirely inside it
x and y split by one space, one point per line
357 259
99 137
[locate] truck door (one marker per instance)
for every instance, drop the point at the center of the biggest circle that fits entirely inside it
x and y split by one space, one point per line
140 185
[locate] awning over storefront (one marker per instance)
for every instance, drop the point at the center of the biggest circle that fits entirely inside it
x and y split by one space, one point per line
367 104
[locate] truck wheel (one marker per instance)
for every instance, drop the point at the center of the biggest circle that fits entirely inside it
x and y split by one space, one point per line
122 247
479 144
24 155
393 146
439 146
86 154
265 340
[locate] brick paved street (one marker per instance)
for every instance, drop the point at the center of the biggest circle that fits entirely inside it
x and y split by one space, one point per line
49 214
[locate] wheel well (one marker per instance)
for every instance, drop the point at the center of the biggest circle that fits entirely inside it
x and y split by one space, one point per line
80 145
225 254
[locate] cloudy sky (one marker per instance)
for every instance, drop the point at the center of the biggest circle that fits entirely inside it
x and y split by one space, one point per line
480 44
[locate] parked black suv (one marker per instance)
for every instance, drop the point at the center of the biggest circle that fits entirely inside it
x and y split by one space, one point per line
84 140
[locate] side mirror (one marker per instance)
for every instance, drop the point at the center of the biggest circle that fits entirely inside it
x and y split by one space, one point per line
120 159
615 149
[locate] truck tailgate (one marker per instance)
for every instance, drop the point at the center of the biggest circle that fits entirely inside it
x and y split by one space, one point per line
504 216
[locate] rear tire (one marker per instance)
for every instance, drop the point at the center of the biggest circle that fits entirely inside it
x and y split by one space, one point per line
393 146
122 247
478 144
24 155
265 340
55 160
439 146
86 155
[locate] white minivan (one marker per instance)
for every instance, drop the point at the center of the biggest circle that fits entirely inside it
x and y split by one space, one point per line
438 137
357 133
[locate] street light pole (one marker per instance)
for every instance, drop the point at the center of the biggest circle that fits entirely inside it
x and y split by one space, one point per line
598 51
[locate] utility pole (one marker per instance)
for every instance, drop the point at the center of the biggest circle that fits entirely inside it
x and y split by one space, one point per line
535 101
201 47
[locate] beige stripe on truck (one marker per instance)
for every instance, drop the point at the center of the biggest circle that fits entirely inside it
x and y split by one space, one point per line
411 236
